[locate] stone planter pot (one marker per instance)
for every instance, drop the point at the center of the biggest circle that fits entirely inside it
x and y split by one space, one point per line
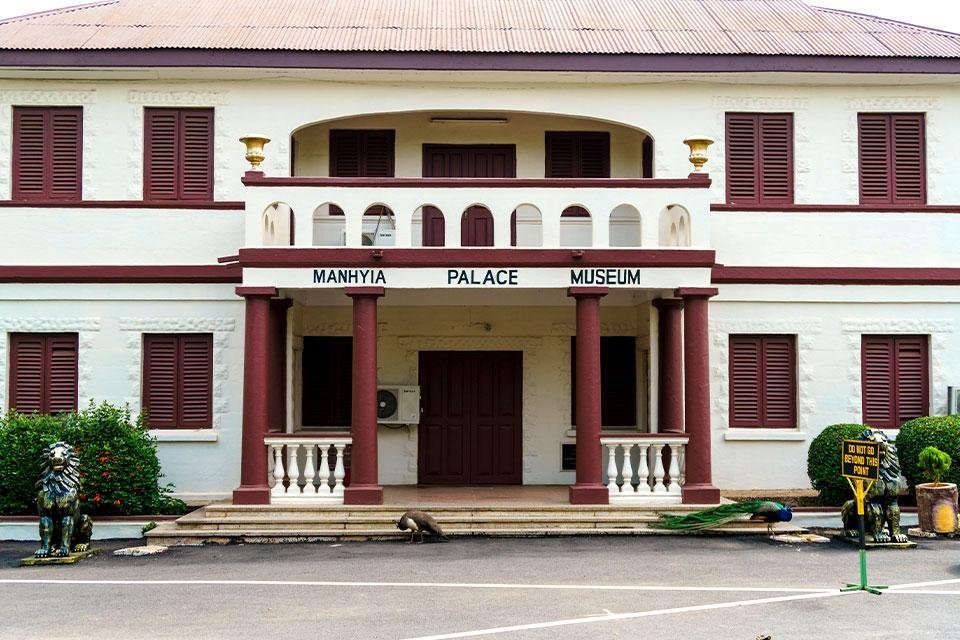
937 507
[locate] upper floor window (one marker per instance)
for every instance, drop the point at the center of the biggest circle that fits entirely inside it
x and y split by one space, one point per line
763 381
43 372
892 158
895 379
759 158
178 380
47 153
178 154
577 154
356 153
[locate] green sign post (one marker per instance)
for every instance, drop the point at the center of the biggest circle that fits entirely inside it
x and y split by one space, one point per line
861 467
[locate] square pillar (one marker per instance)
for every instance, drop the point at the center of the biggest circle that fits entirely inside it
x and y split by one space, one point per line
364 484
588 489
670 369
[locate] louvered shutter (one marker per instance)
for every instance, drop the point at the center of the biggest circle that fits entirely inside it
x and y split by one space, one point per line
378 154
196 154
61 373
196 381
160 380
912 384
47 153
776 158
909 158
742 143
877 363
746 354
361 153
779 381
577 154
560 155
27 352
160 154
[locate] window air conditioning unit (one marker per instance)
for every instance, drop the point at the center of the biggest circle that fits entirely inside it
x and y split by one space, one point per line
368 239
953 400
398 405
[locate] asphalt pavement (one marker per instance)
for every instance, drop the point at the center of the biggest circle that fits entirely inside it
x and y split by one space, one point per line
647 587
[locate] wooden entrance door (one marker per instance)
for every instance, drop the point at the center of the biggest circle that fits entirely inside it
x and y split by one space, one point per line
470 426
465 161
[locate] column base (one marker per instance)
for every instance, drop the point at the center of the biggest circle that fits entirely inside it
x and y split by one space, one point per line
251 495
700 494
363 494
589 494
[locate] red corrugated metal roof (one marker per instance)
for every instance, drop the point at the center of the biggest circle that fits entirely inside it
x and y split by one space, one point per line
759 27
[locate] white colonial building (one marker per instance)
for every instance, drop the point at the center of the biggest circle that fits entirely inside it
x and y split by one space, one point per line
492 211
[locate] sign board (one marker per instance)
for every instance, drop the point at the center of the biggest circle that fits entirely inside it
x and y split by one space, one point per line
861 460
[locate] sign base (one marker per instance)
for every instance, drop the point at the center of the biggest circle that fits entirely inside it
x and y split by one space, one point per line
73 558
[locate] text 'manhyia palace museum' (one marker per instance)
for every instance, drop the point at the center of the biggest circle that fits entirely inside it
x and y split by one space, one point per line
643 249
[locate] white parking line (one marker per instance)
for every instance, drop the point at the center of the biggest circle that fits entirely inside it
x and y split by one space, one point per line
931 583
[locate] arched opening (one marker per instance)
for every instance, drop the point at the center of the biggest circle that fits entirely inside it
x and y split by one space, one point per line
675 226
277 225
625 226
379 226
428 228
476 227
526 226
576 227
329 226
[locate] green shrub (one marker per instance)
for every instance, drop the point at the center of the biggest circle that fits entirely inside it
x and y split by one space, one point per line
934 463
942 432
824 462
119 468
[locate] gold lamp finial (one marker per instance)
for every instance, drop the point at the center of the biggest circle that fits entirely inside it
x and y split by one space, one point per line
698 150
254 153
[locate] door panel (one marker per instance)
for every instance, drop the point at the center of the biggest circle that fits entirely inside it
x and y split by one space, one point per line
470 428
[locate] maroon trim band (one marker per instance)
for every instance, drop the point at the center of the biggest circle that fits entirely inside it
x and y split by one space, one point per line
364 292
430 257
836 275
693 181
837 208
229 205
703 292
588 292
257 291
464 61
107 274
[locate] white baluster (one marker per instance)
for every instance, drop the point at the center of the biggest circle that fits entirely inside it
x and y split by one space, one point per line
308 471
683 463
323 470
658 469
643 469
293 468
612 469
627 469
338 472
674 486
278 489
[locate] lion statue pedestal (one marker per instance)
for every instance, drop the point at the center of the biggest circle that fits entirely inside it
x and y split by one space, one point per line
64 531
881 513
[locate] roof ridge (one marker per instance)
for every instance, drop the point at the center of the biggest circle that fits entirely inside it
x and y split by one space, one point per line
866 16
58 11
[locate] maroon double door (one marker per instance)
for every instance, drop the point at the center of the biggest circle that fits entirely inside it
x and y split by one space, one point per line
465 161
470 425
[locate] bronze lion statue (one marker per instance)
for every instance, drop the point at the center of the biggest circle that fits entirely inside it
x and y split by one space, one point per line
881 509
62 526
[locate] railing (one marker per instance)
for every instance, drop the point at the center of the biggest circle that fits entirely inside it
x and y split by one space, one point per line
525 212
636 469
300 468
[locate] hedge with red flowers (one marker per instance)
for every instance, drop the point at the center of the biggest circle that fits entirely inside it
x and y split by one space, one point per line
119 469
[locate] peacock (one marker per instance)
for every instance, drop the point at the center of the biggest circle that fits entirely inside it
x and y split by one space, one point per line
759 510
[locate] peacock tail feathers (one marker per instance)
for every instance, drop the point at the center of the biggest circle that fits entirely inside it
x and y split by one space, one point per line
715 516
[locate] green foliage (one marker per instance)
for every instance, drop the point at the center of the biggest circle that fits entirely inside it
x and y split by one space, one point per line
942 432
934 463
119 468
824 462
150 526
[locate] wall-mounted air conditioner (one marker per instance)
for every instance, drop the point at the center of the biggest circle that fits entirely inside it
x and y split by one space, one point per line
953 400
398 404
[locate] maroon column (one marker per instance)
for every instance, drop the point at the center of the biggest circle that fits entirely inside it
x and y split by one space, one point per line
670 379
588 489
277 398
253 487
698 488
364 487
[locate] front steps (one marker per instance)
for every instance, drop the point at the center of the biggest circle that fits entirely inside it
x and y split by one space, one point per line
226 523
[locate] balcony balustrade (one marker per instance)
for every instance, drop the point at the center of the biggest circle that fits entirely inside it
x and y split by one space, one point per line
299 468
636 472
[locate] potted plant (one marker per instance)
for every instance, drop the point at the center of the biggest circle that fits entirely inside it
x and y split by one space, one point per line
936 501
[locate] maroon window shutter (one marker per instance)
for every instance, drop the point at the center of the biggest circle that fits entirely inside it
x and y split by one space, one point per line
195 154
742 146
27 372
345 154
160 378
47 153
61 373
776 158
560 158
909 158
160 154
875 167
378 153
358 153
878 362
779 381
912 389
746 355
196 380
577 154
